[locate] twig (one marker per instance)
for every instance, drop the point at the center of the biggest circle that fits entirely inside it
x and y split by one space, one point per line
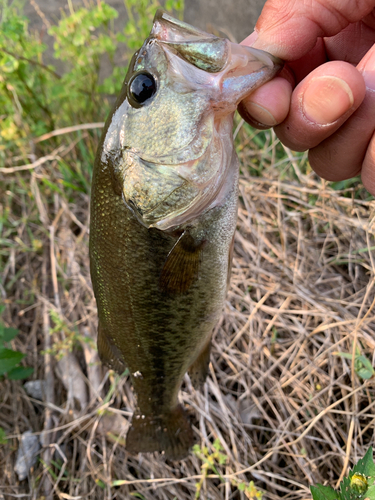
40 14
348 450
50 383
30 166
31 61
68 130
53 266
94 369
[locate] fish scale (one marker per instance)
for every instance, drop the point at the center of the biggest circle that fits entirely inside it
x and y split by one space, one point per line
163 216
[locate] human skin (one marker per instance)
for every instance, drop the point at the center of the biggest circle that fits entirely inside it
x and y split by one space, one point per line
324 100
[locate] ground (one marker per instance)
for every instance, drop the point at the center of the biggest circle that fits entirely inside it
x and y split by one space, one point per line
281 407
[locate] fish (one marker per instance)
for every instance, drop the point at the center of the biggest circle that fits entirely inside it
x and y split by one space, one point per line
163 215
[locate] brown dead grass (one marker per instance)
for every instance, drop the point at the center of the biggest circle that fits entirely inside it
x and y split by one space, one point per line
288 411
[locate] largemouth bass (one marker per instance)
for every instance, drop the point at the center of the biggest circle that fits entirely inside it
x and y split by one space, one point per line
163 216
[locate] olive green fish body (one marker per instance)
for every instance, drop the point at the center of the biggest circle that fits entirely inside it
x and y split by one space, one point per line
163 216
162 333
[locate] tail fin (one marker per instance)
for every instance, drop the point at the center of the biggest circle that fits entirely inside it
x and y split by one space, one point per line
169 433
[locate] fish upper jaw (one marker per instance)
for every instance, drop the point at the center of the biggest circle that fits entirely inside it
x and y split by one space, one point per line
231 71
244 70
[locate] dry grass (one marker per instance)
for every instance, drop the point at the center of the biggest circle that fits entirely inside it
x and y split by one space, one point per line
287 410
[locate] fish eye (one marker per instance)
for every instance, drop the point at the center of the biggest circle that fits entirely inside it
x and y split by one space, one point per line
141 88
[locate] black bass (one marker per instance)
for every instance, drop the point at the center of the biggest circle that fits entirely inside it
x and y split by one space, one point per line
163 216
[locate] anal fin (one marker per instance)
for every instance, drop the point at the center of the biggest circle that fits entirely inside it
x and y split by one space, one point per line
199 369
182 265
109 353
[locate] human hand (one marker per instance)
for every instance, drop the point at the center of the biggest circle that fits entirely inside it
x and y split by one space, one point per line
330 56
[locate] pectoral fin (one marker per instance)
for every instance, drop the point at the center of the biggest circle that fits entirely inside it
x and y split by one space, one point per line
182 265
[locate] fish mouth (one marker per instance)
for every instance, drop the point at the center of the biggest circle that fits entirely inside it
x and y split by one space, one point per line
159 196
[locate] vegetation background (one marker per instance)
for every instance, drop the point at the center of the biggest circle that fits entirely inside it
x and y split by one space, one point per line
290 397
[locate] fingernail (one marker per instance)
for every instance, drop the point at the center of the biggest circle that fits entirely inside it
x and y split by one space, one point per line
367 68
369 78
326 99
250 39
260 114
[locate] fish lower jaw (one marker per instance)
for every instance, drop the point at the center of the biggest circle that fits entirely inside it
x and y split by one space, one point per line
214 196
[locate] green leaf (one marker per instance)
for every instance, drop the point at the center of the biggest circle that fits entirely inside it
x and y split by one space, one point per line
366 362
100 483
118 482
343 355
20 372
346 490
9 359
370 493
364 373
109 12
8 64
367 366
9 334
365 465
3 436
320 492
363 366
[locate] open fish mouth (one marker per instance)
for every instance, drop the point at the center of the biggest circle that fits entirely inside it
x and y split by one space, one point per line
165 196
150 189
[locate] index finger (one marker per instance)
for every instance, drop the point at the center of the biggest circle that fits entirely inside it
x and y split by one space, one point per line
289 29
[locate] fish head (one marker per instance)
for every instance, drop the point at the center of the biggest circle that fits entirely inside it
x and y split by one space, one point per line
168 140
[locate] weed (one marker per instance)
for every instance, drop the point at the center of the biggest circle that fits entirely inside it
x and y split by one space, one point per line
359 485
65 338
3 436
9 359
362 366
212 462
34 98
